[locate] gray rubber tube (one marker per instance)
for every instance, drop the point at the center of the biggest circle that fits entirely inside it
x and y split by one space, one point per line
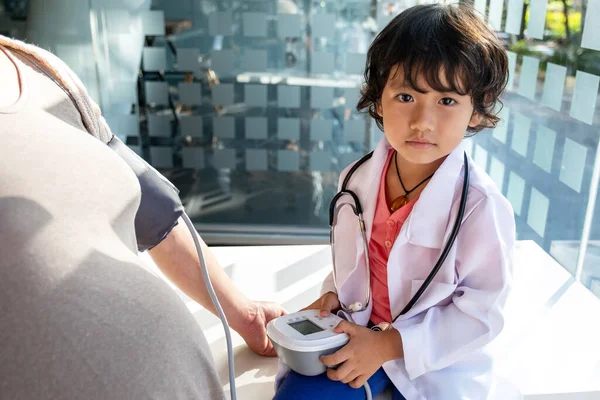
215 301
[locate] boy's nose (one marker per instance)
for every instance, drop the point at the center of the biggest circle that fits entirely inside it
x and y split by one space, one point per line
422 120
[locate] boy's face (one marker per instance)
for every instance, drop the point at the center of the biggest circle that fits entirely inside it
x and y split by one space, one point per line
424 127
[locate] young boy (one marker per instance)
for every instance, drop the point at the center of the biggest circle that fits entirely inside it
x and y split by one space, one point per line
433 74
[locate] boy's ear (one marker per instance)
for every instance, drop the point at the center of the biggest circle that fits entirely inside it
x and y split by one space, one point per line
476 119
379 109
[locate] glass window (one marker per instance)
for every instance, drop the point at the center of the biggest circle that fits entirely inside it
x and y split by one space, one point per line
249 107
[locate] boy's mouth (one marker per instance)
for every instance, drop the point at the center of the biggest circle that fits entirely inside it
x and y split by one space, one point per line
420 144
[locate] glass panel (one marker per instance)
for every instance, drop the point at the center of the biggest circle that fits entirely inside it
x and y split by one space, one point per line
544 155
254 108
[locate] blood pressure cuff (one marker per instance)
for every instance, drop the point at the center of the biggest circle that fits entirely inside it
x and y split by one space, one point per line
160 206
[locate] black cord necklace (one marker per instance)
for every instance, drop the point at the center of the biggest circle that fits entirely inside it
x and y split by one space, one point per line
401 201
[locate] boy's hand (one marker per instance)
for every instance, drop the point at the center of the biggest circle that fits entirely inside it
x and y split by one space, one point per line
327 303
364 354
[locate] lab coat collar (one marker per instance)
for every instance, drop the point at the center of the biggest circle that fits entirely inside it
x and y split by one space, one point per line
427 224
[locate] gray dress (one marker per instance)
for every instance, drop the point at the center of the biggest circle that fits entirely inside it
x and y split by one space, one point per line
79 316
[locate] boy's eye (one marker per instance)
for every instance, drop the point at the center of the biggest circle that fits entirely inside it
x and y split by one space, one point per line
447 101
405 98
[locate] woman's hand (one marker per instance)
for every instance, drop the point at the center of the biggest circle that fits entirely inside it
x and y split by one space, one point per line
364 354
254 332
326 304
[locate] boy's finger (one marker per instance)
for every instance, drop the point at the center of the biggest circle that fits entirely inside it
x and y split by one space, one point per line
351 377
336 358
345 327
330 303
358 382
324 313
342 373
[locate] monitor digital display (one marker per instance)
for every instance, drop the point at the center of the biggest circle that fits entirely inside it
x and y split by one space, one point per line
306 327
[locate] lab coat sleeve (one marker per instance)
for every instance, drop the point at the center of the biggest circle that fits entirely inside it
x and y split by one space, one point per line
444 334
328 285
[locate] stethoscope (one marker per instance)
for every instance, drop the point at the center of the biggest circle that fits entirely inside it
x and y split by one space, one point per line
357 209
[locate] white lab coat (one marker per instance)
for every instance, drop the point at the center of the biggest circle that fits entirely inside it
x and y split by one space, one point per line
445 332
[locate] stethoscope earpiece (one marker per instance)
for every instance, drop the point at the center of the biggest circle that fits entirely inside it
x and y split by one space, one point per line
355 307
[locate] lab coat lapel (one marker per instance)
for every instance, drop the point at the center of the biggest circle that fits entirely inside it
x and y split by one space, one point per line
428 223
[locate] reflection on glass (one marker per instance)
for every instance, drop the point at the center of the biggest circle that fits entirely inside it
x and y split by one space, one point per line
320 161
288 160
544 148
153 22
254 60
289 25
187 59
162 157
256 160
254 24
321 97
481 157
501 131
480 6
585 96
538 212
520 137
224 159
591 33
497 172
220 23
192 126
514 13
322 63
529 73
159 126
223 127
157 93
320 129
190 94
193 158
554 86
255 95
256 128
573 164
516 192
323 25
223 62
288 128
288 96
537 18
222 95
512 64
154 59
495 13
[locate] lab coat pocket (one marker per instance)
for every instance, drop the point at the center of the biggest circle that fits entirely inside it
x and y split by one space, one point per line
437 293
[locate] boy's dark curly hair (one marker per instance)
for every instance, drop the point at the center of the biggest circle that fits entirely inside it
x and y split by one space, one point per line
432 39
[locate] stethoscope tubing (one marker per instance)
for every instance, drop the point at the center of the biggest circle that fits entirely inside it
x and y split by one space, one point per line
357 209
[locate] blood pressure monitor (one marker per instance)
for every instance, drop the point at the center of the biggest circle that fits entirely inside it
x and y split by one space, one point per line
302 337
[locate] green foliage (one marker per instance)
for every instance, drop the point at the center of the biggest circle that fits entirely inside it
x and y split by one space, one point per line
555 22
571 56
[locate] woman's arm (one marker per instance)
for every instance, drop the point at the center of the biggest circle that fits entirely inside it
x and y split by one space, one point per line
177 258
